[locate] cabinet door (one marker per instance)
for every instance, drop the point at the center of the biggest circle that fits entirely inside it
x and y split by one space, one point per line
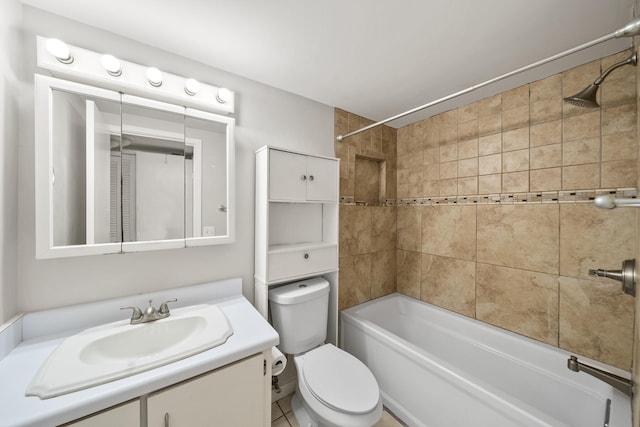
124 415
322 179
230 396
287 176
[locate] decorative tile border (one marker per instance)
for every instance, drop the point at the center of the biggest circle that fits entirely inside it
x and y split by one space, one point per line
348 200
564 196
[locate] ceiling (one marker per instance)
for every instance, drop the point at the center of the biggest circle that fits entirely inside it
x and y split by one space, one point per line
375 58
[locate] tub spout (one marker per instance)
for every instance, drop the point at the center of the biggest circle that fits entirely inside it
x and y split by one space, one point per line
622 384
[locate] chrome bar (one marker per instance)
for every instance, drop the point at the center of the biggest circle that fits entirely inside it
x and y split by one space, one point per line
608 201
607 414
562 54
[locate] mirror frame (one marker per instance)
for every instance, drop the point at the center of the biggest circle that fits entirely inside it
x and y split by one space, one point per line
43 95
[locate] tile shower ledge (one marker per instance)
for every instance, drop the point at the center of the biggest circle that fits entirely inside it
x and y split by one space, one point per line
252 334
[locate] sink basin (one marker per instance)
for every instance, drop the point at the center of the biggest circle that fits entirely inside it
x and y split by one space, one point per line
135 343
117 350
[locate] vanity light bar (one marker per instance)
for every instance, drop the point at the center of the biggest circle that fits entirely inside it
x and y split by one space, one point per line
192 86
109 72
111 64
60 50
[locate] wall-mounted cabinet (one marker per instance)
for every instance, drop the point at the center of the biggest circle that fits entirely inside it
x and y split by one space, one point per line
299 178
119 173
296 223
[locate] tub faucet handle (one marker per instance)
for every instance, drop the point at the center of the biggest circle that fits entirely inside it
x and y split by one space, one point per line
627 275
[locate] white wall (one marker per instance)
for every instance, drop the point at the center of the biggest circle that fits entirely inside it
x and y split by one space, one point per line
159 193
264 116
9 69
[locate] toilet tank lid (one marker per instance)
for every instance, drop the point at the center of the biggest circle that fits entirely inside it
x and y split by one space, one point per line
301 291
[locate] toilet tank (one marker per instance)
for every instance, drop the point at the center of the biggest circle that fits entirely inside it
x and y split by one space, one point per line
299 313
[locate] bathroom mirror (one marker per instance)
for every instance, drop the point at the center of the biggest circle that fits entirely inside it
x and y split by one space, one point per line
118 173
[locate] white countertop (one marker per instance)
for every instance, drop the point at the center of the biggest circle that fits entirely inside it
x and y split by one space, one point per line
251 334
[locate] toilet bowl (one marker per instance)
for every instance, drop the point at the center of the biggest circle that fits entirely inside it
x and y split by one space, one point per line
334 388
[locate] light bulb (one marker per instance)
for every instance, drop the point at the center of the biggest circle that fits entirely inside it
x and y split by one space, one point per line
111 65
60 50
223 95
154 76
191 86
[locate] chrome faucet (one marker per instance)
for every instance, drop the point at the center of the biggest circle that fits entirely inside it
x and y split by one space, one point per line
622 384
150 314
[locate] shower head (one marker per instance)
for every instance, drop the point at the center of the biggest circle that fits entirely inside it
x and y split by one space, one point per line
586 98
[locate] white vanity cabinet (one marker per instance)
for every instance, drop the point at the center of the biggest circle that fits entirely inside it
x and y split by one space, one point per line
226 385
238 394
296 233
235 395
127 414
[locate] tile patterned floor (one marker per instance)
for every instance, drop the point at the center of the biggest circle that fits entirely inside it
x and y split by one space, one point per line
281 416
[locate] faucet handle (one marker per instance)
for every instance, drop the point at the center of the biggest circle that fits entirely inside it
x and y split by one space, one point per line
164 308
136 315
627 275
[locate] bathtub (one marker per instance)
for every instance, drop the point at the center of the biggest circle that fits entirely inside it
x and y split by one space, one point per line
436 368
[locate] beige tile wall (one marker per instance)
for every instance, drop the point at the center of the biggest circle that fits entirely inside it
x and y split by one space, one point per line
522 267
367 229
526 139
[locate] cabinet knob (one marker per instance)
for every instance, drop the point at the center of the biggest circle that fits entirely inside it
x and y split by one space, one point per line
303 177
310 177
306 256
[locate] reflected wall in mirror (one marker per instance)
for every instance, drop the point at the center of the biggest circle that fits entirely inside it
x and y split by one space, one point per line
205 176
153 165
118 173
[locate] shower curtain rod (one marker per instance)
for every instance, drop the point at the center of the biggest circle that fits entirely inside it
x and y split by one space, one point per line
629 30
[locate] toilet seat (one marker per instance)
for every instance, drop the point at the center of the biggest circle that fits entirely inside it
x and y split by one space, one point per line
339 380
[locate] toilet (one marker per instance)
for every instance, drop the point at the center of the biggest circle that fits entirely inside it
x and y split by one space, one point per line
334 388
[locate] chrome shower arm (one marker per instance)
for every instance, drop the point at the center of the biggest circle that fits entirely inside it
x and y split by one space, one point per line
632 60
